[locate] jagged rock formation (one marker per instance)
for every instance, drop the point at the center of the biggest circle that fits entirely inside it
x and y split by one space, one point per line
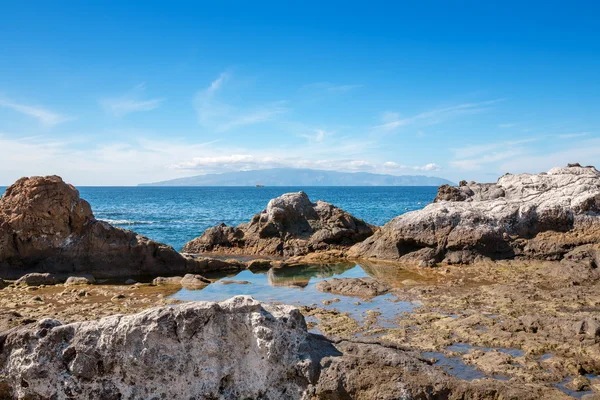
291 225
239 348
547 216
46 227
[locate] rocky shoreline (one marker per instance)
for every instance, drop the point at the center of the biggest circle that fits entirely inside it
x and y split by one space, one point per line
504 277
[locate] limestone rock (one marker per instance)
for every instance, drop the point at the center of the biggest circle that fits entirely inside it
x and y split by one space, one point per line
532 216
291 225
46 227
235 349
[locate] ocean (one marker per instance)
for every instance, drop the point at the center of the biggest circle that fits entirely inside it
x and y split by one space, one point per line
175 215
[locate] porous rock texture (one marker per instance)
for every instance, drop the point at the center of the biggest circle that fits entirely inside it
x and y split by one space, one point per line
546 216
291 225
46 227
239 348
236 349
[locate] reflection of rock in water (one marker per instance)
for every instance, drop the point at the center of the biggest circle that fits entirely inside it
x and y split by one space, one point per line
299 275
393 274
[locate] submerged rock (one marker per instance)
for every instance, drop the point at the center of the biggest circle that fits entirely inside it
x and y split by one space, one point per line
291 225
46 227
360 287
534 216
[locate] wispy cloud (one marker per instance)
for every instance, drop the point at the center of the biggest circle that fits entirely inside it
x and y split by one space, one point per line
393 121
573 135
130 102
318 136
43 115
222 117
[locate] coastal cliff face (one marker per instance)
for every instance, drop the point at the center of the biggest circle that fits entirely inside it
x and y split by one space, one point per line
291 225
46 227
547 216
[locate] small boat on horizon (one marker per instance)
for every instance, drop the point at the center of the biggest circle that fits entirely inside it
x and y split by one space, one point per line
258 185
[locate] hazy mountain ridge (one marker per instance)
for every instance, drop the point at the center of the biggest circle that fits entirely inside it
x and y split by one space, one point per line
302 177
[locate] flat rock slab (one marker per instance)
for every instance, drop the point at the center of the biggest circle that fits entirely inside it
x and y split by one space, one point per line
360 287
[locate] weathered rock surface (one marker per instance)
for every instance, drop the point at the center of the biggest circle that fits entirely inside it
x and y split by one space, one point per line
291 225
546 216
239 348
360 287
46 227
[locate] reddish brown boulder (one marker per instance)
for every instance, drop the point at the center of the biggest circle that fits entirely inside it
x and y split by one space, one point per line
46 227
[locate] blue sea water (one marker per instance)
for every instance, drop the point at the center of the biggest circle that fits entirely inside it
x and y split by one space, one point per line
175 215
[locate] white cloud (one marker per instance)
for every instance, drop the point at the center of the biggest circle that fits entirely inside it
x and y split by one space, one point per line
43 115
390 165
392 121
130 102
318 137
220 116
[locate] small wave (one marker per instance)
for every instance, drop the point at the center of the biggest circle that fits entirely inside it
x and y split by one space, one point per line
126 222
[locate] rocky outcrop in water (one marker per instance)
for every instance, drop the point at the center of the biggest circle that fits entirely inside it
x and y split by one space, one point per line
291 225
547 216
46 227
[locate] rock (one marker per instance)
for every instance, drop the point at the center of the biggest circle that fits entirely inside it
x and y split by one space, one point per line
172 280
233 282
291 225
118 297
80 280
527 216
130 282
192 282
236 349
259 265
37 279
360 287
46 227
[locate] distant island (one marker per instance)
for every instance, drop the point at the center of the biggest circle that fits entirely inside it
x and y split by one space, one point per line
302 177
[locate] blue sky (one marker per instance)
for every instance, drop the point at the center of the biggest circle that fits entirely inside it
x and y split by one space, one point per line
108 93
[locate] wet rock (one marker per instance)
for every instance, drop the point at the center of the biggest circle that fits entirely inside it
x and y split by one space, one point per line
46 227
130 282
539 216
233 282
191 281
172 280
37 279
291 225
360 287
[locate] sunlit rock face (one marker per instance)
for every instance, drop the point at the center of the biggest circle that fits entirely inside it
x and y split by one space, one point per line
534 216
291 225
46 227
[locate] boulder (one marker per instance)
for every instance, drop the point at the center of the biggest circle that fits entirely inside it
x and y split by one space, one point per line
291 225
46 227
528 216
37 279
192 281
171 280
80 280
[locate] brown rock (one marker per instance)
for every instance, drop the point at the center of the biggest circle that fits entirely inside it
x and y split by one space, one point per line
291 225
360 287
46 227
